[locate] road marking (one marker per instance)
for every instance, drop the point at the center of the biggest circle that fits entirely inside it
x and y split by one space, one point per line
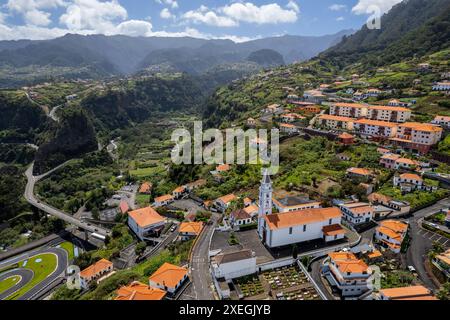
434 235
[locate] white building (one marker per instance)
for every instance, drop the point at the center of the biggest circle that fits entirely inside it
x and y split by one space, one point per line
281 229
145 222
234 264
164 200
375 128
351 110
443 121
348 273
169 278
442 86
357 213
388 113
224 202
409 182
391 234
240 218
284 202
95 272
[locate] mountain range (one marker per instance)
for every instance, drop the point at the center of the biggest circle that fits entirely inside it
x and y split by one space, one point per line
98 56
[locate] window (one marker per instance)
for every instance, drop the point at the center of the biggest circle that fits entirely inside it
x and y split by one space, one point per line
290 230
330 221
304 228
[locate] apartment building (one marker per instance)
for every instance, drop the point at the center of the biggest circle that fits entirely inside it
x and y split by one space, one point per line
417 137
357 213
388 113
375 128
336 122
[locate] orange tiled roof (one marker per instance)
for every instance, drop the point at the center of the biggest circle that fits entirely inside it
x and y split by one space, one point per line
410 176
191 227
397 226
168 275
406 161
228 198
406 292
146 216
179 189
96 268
301 217
390 156
346 135
375 254
139 291
398 109
146 187
287 125
164 198
347 262
335 118
359 171
223 167
251 209
350 105
333 230
442 118
427 127
377 123
124 206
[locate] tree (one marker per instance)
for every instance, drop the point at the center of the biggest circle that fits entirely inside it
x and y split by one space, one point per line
140 248
294 251
444 292
95 213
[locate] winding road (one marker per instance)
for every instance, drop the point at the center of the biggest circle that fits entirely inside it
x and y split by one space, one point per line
31 199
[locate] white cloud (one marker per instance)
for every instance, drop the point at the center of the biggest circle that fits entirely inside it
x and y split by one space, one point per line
34 11
293 5
366 6
337 7
172 3
202 15
265 14
166 14
93 15
340 19
135 28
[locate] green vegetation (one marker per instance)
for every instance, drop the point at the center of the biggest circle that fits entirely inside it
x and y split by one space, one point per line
417 199
42 266
69 247
9 283
396 279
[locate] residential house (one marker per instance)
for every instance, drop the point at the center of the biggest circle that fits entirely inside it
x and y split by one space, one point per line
288 128
442 263
443 121
417 137
357 213
375 128
169 278
406 293
406 164
336 122
164 200
359 173
409 182
224 202
251 122
389 113
189 230
145 222
146 188
252 210
388 160
123 207
442 86
347 273
94 272
137 291
240 217
314 96
195 185
397 103
291 117
179 192
373 92
273 108
391 234
350 110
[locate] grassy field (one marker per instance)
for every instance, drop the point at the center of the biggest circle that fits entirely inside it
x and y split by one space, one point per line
146 172
68 246
42 265
143 200
9 283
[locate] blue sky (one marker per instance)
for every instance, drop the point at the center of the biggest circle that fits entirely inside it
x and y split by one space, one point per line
236 20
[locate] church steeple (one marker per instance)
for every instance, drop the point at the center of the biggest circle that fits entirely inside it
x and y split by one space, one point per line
265 200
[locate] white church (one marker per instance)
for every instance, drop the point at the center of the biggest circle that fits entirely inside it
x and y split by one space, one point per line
282 229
